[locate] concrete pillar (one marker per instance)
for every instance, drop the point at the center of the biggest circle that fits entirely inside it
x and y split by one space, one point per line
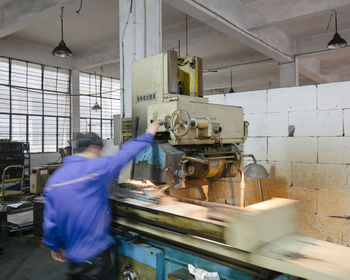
140 33
289 75
75 103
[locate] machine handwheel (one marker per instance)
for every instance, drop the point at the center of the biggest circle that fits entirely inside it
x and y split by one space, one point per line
180 122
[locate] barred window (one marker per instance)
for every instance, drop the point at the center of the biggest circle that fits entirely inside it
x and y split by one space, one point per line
106 92
35 104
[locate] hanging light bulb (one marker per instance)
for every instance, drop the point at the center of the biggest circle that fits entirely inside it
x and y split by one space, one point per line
62 50
96 107
337 41
231 89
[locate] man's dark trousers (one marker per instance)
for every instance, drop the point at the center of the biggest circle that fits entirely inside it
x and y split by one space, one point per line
97 268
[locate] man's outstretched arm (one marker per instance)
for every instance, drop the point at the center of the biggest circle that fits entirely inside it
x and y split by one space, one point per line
128 151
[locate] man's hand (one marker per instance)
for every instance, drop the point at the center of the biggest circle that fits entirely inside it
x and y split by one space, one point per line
152 128
58 256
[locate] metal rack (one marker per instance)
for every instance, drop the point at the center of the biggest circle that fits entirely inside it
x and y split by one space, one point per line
14 167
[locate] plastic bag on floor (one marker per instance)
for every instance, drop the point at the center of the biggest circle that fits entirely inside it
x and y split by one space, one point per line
200 274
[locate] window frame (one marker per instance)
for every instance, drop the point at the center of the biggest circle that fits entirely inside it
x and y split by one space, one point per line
44 92
92 99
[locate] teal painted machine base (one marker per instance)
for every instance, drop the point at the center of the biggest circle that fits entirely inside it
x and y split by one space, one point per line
165 260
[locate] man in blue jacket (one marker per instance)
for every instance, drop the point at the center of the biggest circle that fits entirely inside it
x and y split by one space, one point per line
77 214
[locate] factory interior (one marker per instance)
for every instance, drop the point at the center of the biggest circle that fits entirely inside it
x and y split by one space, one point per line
247 176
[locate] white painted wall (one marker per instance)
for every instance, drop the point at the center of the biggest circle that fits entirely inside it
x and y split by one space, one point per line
314 165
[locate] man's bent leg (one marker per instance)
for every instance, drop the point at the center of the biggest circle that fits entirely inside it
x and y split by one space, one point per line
97 268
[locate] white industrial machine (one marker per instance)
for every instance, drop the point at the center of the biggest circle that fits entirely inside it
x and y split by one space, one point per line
197 139
159 236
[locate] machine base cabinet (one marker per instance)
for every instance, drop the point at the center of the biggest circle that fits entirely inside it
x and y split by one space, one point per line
144 260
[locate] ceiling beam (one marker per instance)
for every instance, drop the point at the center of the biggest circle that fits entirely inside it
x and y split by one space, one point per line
276 37
197 33
240 83
98 56
311 68
335 66
223 16
109 53
262 13
341 77
19 14
236 66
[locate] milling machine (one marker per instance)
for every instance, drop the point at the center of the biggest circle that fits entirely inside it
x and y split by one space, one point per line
159 236
197 140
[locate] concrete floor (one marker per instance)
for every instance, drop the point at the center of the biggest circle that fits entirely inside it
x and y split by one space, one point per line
23 260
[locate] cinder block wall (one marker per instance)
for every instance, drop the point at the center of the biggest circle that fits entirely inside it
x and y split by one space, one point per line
314 165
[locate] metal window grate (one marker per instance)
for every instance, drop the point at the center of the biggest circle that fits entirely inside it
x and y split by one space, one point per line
104 90
34 104
4 126
19 127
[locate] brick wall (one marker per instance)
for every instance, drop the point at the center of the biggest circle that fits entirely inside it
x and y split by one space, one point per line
314 165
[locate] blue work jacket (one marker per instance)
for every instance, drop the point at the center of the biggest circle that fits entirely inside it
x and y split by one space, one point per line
77 214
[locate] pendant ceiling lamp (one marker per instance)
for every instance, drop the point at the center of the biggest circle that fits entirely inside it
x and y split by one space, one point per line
62 50
337 41
96 107
231 89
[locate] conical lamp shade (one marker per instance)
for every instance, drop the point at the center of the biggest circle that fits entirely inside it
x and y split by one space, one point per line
337 42
96 107
62 50
255 170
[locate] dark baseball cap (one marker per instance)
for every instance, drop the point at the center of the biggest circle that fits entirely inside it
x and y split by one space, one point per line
87 140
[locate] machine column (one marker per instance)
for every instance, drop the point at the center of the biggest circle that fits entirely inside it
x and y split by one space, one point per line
140 36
